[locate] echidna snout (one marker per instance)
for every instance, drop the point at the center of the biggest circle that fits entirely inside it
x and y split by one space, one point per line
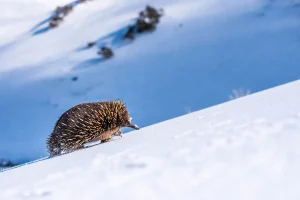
130 125
134 126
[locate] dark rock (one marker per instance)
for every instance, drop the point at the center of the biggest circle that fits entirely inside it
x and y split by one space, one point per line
106 52
74 78
91 44
143 26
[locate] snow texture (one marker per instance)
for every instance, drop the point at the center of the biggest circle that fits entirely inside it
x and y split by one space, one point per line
244 149
201 51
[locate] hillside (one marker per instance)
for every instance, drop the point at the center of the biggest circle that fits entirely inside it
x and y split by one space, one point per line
199 53
243 149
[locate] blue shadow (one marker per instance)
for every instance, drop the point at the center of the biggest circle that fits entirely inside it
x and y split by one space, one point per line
47 20
114 40
83 48
41 31
89 63
41 23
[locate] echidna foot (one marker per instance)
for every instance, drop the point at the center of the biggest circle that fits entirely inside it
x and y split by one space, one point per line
119 133
106 140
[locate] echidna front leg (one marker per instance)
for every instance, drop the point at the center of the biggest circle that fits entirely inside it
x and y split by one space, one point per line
119 133
115 132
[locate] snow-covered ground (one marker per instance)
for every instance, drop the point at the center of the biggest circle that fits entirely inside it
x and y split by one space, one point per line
244 149
201 51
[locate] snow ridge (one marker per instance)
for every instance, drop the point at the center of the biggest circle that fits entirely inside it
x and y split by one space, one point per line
244 149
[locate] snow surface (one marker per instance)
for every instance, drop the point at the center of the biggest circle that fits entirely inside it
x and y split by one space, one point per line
201 51
244 149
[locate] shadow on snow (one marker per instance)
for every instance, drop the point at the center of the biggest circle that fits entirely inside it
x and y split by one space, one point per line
36 30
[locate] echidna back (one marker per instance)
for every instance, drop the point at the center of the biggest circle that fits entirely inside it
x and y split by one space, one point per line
84 123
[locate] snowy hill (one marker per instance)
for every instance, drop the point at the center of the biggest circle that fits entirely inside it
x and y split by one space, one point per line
200 52
244 149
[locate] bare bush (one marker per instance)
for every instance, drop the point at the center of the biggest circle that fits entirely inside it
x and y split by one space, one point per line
238 93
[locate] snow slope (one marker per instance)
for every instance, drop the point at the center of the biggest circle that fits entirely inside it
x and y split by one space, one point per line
244 149
201 51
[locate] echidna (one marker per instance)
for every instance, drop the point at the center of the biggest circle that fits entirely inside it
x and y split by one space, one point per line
88 122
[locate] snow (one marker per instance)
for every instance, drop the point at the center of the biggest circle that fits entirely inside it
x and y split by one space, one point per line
243 149
201 51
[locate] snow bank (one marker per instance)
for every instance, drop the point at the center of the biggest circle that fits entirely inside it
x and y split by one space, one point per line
200 52
244 149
